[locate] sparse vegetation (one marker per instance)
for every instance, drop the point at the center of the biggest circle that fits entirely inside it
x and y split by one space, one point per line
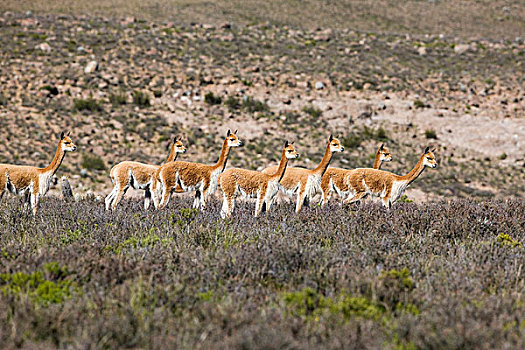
431 134
211 99
118 98
141 98
92 162
87 105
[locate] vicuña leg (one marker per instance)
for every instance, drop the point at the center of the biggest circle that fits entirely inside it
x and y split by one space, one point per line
355 198
34 202
110 197
147 198
118 196
301 195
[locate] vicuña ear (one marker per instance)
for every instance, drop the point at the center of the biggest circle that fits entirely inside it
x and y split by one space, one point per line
228 133
286 143
69 133
331 138
382 145
433 150
61 135
426 150
235 132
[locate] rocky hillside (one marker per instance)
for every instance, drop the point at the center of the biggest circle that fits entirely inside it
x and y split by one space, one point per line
126 87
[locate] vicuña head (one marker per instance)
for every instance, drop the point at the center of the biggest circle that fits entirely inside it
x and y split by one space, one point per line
429 158
289 151
232 139
384 154
179 147
66 143
335 145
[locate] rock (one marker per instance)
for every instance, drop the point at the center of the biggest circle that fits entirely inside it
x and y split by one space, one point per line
461 48
319 85
381 106
81 49
67 192
91 67
83 173
44 47
422 51
286 101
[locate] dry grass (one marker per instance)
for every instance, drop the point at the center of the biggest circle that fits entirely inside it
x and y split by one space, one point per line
466 18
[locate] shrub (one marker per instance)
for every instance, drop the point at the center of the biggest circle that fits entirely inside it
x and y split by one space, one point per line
211 99
90 105
419 104
118 98
3 99
314 112
504 240
141 98
233 103
249 104
430 134
93 162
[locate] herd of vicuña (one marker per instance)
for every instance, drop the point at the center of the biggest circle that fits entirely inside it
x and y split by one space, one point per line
159 182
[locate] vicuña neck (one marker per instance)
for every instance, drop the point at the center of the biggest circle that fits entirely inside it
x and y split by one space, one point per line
223 158
321 168
57 160
282 167
414 173
173 155
377 161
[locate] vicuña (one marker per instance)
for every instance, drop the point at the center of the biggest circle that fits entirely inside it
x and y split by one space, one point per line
197 177
304 182
251 183
334 178
139 176
30 181
383 184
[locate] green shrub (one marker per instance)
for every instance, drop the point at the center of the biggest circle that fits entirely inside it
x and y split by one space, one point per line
90 105
314 112
504 240
249 104
430 134
93 162
233 103
310 304
141 98
419 104
118 98
211 99
39 286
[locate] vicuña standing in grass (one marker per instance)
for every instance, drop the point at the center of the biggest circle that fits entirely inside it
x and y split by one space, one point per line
30 181
304 182
197 177
139 176
383 184
334 178
253 183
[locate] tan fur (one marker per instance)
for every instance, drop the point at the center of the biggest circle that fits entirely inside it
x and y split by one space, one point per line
137 175
253 184
334 178
388 186
304 182
197 177
33 182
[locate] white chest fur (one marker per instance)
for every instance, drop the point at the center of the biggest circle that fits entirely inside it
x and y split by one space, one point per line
44 181
398 187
